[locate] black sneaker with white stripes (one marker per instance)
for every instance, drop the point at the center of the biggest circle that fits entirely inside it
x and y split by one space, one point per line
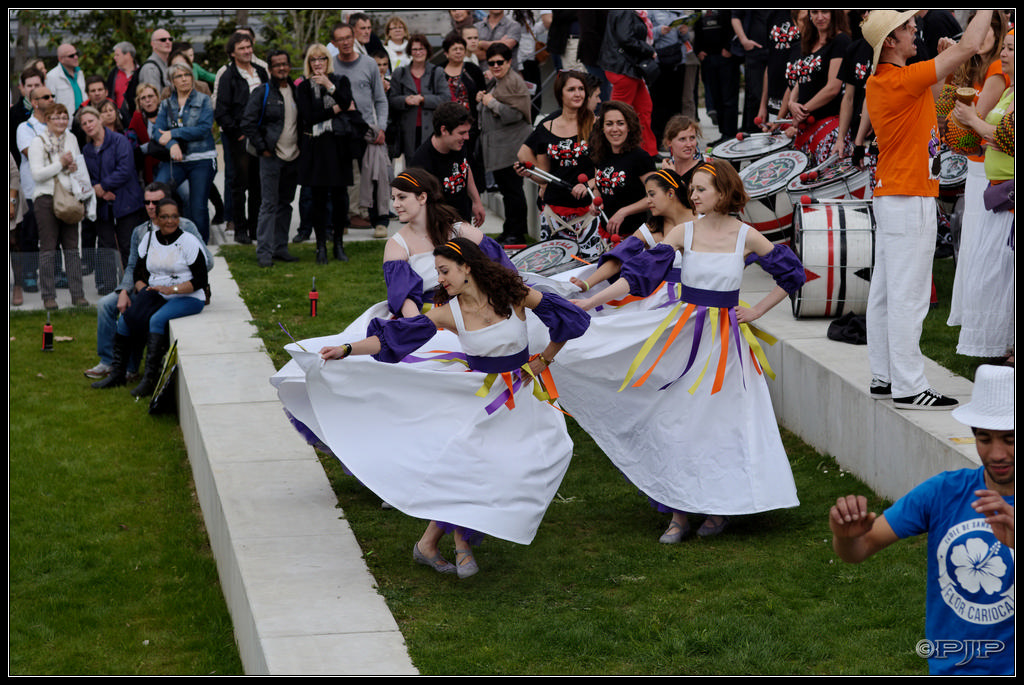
880 390
927 399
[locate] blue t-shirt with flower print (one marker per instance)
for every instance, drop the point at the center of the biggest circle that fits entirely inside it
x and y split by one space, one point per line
969 621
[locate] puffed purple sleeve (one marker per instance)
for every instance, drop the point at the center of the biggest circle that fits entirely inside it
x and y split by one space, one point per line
493 249
564 320
783 265
623 252
400 337
402 284
646 270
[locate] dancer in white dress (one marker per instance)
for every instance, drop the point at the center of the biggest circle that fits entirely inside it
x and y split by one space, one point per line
427 222
409 272
668 204
696 431
983 298
475 450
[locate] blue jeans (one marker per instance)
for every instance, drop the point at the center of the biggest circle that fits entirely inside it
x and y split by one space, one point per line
106 327
199 175
174 308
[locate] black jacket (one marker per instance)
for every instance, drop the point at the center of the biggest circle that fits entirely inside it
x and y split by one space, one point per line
128 107
625 43
232 98
263 119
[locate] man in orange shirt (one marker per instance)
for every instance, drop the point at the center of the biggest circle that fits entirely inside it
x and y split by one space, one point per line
901 107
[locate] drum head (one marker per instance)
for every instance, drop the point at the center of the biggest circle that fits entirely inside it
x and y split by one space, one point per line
826 175
953 172
547 257
837 180
773 173
754 146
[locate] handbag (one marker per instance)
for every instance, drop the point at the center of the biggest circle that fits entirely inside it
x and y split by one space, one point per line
66 207
649 70
999 197
849 328
164 396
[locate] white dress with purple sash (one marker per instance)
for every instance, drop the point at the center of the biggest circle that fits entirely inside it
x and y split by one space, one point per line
446 431
690 427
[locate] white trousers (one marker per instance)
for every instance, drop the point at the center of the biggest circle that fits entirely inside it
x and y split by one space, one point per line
900 292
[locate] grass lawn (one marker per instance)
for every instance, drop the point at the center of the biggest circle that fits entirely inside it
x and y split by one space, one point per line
109 565
595 593
110 570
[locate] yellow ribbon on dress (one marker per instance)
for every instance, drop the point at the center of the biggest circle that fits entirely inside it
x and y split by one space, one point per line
719 324
648 345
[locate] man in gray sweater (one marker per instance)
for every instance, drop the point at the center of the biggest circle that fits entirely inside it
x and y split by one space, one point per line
370 99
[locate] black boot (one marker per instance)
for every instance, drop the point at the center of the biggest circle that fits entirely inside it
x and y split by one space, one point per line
116 377
242 233
321 252
156 347
339 248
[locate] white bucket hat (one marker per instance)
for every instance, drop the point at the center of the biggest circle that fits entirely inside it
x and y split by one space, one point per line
879 24
991 405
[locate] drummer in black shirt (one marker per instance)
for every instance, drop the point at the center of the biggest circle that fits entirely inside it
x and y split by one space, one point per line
444 155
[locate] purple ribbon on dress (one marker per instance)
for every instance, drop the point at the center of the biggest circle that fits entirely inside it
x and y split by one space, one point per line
511 364
710 298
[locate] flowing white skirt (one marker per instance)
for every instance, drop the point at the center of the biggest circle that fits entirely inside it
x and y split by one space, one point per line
685 447
418 435
983 300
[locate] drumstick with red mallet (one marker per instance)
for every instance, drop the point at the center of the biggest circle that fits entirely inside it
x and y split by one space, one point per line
595 199
545 176
758 121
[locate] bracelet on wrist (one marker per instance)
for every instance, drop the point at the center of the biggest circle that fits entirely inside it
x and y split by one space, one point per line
348 350
586 286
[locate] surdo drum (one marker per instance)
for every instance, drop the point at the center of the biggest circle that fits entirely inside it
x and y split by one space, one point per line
770 209
834 240
952 176
837 180
547 257
744 150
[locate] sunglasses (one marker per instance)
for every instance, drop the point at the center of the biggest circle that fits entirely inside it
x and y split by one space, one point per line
496 63
43 97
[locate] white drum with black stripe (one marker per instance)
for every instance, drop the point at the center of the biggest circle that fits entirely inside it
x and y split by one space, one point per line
835 242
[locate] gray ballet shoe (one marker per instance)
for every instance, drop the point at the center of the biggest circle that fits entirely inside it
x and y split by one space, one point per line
709 529
435 562
675 533
465 567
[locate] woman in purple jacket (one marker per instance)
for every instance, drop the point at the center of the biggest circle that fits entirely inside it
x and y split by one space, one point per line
119 207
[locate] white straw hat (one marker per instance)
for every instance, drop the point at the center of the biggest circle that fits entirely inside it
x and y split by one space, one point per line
991 405
879 24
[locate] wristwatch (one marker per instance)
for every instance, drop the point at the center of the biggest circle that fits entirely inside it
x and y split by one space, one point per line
175 288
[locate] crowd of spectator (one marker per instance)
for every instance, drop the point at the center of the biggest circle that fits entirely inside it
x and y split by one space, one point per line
334 131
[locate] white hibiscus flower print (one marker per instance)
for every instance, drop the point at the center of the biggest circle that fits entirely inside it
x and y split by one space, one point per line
978 567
